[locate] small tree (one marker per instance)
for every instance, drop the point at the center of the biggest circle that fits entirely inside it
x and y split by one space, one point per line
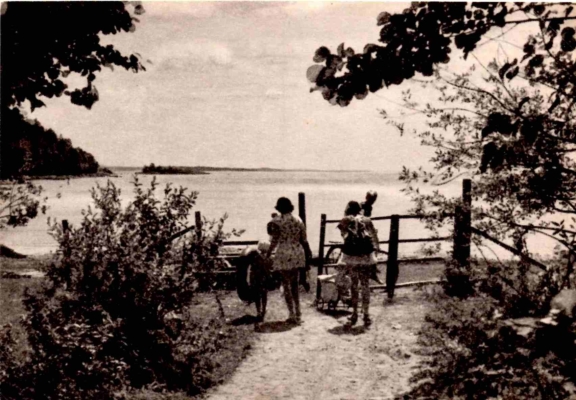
19 203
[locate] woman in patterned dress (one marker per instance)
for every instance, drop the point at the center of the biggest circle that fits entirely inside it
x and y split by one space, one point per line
291 248
359 266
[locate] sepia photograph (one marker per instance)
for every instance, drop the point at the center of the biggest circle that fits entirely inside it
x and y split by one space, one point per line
271 200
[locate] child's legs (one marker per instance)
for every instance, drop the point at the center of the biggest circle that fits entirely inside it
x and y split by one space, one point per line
286 285
354 289
264 300
258 303
364 276
295 291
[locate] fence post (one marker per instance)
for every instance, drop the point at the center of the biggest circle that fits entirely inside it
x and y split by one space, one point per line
463 227
198 222
321 254
302 207
392 263
68 275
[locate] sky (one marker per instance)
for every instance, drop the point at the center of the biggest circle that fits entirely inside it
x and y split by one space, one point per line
225 85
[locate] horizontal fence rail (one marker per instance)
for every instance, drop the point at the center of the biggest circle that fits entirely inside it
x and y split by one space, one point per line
400 216
509 248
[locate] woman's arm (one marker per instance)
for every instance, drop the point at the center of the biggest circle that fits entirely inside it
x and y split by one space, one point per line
304 243
373 233
274 232
343 226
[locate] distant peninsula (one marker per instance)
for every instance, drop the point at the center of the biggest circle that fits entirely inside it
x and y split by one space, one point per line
202 170
30 151
171 170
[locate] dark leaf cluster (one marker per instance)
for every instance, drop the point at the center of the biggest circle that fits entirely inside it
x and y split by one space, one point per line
19 203
424 35
44 42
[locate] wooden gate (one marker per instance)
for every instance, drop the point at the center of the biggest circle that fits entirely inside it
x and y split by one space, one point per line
461 238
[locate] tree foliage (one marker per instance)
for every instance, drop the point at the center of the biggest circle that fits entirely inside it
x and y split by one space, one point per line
509 124
19 203
115 313
44 42
424 36
28 149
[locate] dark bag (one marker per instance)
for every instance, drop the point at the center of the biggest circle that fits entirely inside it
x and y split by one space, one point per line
358 242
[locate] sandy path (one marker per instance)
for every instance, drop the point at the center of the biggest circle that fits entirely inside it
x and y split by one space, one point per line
320 360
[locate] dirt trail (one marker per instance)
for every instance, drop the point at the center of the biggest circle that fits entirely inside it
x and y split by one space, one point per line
320 360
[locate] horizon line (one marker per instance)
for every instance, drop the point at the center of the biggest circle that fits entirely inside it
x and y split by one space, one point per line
255 168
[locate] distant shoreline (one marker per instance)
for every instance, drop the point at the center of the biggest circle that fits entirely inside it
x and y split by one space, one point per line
203 170
100 174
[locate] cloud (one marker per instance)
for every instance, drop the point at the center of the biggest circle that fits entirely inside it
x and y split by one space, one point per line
197 52
300 8
171 9
273 93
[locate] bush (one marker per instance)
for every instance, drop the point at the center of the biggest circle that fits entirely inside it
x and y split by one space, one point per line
491 344
471 352
114 313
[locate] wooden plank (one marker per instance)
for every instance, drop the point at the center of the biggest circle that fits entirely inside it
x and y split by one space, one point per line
321 253
462 225
417 240
392 262
421 260
403 216
302 207
412 283
509 248
239 242
198 223
181 233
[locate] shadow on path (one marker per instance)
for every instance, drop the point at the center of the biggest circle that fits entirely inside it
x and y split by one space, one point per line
274 327
335 313
353 331
244 320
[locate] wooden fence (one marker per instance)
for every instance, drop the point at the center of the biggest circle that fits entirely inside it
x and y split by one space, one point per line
463 231
393 243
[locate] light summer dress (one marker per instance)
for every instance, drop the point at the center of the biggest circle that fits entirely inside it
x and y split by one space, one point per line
289 231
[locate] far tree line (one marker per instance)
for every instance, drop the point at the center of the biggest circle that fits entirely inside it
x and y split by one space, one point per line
29 149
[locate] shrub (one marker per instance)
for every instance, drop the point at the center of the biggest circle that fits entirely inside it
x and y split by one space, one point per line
473 352
490 344
115 310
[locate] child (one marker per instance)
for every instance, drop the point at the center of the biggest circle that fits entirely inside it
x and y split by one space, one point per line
371 197
260 277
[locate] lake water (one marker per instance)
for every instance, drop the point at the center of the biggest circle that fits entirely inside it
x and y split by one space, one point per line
247 197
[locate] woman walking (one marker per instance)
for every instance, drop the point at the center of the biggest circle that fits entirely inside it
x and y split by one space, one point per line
358 255
288 240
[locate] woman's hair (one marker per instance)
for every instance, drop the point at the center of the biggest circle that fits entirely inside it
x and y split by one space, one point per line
353 208
284 205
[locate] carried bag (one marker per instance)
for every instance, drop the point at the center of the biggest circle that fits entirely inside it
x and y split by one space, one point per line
357 242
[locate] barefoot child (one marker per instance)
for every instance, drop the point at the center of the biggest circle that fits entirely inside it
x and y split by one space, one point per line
366 205
260 276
